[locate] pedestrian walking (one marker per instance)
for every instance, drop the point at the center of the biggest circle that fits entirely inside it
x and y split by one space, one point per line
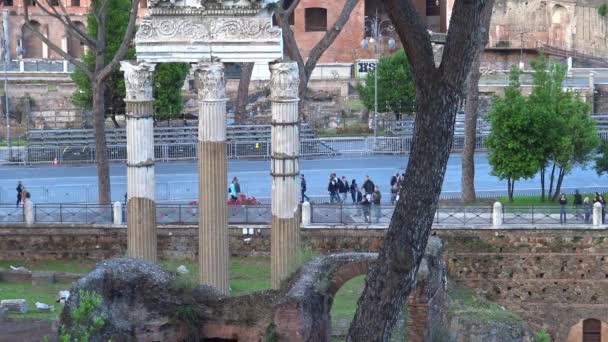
19 192
353 191
237 186
600 199
366 204
563 202
232 191
343 185
332 188
588 208
377 199
368 185
394 191
303 189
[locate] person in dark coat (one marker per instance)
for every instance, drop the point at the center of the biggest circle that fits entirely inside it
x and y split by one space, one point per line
354 188
303 189
332 188
368 185
19 192
343 184
563 202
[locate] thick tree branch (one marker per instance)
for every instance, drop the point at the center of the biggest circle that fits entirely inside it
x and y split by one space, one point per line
414 37
330 36
465 34
54 47
126 41
292 7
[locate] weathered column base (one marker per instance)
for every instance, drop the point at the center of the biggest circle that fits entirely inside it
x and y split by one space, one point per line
214 256
141 229
285 248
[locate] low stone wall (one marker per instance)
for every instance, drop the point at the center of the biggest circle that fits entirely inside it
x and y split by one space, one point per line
551 277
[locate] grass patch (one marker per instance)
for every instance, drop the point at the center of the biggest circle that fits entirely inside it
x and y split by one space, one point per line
44 293
14 142
345 304
466 305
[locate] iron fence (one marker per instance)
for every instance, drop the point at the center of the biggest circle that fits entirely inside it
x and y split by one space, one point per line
321 214
11 214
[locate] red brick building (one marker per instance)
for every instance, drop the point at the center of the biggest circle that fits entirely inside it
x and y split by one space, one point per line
310 21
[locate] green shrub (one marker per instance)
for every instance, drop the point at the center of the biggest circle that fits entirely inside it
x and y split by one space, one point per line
542 336
85 320
603 10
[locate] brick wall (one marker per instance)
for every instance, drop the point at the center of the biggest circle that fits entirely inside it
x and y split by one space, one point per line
551 277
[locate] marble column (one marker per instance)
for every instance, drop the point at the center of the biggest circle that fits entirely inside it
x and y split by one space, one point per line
285 171
213 173
141 182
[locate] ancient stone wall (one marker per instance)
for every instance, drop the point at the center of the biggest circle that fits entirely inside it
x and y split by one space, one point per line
551 277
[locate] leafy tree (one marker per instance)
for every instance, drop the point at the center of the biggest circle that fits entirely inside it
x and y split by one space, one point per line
601 161
512 141
579 140
569 134
395 85
114 87
98 67
168 82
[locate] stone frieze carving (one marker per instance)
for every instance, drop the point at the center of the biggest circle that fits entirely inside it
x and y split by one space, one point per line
284 80
207 29
209 78
138 80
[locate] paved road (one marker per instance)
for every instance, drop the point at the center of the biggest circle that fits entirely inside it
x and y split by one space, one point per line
178 181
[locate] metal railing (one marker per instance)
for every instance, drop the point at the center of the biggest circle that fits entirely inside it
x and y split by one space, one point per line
321 214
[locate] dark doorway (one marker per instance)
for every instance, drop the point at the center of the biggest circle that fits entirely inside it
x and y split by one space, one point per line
592 330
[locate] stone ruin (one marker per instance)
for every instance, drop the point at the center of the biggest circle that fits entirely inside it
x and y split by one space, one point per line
143 302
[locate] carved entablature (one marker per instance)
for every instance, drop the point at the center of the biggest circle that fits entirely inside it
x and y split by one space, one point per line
201 29
207 7
284 81
209 78
138 80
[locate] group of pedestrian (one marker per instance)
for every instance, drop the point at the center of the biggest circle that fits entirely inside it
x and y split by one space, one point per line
368 196
583 204
396 182
22 194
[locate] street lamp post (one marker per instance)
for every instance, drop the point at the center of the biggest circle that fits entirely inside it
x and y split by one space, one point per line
377 28
6 61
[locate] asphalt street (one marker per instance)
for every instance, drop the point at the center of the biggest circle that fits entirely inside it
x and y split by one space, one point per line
178 181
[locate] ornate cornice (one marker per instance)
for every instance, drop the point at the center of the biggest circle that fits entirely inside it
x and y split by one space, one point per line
138 80
284 81
209 78
206 29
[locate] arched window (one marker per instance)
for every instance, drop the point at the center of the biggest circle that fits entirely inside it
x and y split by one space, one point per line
75 46
592 330
315 19
32 45
75 3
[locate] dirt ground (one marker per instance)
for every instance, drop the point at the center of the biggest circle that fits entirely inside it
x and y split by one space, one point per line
26 330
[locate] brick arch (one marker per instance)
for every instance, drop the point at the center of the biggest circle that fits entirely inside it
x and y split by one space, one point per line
32 45
580 331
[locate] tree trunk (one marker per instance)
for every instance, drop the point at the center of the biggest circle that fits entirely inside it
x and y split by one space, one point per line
510 188
103 168
242 97
438 93
558 186
551 179
470 133
542 183
391 277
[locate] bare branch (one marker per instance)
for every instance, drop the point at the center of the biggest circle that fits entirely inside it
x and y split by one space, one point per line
69 26
411 28
80 65
329 37
126 41
80 34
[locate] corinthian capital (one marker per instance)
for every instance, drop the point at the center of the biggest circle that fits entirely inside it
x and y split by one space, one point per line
209 78
284 81
138 80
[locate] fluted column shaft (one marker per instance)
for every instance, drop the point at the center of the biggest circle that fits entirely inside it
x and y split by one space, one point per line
285 171
141 182
213 173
